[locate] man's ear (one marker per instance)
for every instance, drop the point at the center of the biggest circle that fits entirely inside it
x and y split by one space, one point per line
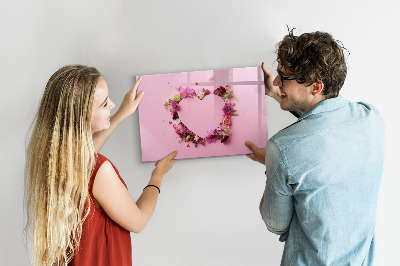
317 88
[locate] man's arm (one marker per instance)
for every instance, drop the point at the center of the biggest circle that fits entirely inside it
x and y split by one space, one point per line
270 89
276 206
261 203
274 91
276 211
128 107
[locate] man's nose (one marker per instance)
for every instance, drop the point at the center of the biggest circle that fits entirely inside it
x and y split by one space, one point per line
277 81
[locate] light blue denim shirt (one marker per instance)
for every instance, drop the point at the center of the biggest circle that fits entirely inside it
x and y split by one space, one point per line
323 176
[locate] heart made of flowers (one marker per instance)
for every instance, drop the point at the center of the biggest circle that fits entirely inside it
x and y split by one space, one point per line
221 133
200 116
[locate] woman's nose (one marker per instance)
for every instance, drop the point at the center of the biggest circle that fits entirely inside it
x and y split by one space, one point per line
112 105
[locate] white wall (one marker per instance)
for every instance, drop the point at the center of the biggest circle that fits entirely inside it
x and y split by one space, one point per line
208 208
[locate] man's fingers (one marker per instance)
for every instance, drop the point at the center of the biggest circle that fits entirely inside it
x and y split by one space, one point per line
251 156
251 146
265 69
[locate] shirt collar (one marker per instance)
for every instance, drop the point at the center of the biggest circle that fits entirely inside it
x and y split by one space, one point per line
325 106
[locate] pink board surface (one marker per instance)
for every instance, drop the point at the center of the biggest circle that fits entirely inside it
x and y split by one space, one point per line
209 117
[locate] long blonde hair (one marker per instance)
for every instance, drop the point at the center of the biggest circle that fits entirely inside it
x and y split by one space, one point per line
59 161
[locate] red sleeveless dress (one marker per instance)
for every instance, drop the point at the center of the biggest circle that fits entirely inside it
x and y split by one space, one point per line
103 241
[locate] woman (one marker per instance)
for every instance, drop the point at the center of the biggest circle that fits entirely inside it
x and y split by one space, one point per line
78 207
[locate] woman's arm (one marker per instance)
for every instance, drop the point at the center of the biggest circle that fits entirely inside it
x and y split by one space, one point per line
116 201
128 107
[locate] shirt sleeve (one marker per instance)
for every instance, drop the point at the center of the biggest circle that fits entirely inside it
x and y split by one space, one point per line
277 209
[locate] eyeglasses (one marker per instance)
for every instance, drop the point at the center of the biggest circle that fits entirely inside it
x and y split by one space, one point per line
282 78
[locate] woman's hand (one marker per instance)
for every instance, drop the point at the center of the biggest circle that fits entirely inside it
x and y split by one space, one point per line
165 164
128 107
270 89
131 101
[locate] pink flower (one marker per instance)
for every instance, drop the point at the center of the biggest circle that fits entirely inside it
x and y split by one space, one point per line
196 83
212 136
187 92
228 109
175 106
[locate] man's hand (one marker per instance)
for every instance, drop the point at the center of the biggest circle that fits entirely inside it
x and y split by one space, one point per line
270 89
258 154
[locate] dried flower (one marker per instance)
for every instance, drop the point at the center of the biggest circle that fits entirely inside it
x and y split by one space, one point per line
167 103
228 95
227 120
224 140
202 93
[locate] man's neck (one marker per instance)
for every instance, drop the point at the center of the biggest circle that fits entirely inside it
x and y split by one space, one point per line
316 100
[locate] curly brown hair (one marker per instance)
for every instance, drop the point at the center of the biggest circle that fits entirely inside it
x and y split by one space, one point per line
314 57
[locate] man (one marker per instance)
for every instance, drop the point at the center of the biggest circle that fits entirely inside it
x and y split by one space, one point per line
323 171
